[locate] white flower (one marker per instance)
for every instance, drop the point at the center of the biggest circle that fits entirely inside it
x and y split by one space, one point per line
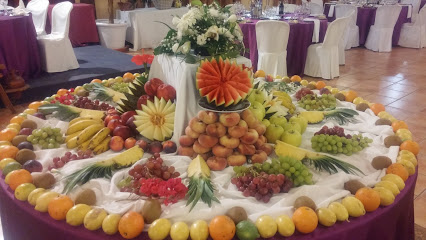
214 12
232 18
238 33
175 47
175 20
226 33
186 47
201 39
213 32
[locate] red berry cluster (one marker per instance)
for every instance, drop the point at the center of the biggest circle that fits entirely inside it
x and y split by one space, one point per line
171 190
336 130
303 92
153 168
59 162
66 99
84 102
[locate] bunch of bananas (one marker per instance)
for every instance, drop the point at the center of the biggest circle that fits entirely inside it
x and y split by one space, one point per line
88 133
285 100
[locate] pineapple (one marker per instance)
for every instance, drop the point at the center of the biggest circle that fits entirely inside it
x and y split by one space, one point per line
341 115
103 169
67 113
320 161
130 99
199 183
106 94
285 100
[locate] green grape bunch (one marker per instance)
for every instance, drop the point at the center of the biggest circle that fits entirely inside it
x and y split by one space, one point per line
47 137
313 102
335 144
120 87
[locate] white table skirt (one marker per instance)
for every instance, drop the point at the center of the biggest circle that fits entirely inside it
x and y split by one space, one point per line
174 71
145 29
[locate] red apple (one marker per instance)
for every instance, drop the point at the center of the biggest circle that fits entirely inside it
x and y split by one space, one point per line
143 100
114 123
169 147
167 92
142 144
131 124
152 85
112 111
217 163
122 131
125 116
155 147
109 118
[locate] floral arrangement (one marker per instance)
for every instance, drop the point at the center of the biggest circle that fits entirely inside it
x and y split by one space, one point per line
144 59
205 30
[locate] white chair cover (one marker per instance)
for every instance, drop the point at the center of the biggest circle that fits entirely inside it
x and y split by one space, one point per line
380 35
323 58
272 39
56 50
416 8
38 9
316 6
289 8
351 36
413 35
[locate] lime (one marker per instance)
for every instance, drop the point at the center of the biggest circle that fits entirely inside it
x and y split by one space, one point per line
10 167
246 230
159 229
23 190
267 226
179 231
199 230
285 225
75 216
110 224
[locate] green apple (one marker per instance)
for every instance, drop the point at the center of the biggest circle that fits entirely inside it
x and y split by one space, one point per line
302 122
257 95
292 137
273 133
281 121
119 79
258 110
293 126
266 122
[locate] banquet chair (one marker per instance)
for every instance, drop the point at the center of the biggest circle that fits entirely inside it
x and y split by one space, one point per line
272 39
413 35
56 50
316 6
289 8
380 35
38 9
351 36
416 8
323 58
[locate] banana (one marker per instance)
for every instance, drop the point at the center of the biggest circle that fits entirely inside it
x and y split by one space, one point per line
68 137
84 146
72 143
88 133
80 125
103 146
83 118
97 139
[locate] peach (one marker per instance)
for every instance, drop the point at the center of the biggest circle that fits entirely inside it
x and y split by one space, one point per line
221 151
191 133
206 155
197 125
246 149
116 143
236 159
238 130
198 148
229 119
129 142
260 141
207 117
267 148
259 157
207 141
249 117
217 163
250 137
216 130
260 128
186 141
229 142
186 151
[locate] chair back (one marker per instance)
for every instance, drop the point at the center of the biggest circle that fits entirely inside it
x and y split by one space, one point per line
414 3
290 8
421 18
316 8
319 2
335 31
38 9
345 10
61 18
387 15
272 36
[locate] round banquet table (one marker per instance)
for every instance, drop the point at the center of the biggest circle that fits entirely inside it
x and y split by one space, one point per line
300 38
422 3
366 18
395 222
18 45
83 28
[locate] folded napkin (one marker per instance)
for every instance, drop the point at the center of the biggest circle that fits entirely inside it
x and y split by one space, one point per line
315 36
331 10
410 11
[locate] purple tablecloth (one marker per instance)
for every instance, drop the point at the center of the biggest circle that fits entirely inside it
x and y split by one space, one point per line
365 19
395 222
422 3
18 45
298 42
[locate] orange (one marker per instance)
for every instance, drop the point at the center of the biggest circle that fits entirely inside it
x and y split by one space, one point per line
131 225
17 119
8 134
399 125
8 151
350 95
377 107
222 228
305 220
320 85
369 198
34 105
398 169
410 146
62 92
129 76
295 78
96 81
59 206
19 177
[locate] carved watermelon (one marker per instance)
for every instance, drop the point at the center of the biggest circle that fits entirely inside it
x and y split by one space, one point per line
223 82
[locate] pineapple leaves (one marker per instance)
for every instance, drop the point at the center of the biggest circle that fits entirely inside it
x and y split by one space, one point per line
58 111
331 165
84 175
342 116
200 189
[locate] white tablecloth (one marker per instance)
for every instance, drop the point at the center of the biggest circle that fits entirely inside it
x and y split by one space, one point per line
145 29
181 76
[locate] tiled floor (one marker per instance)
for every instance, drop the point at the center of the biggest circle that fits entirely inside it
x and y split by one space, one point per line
397 80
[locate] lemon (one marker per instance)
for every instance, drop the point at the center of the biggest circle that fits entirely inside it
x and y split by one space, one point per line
159 229
358 100
246 230
94 218
389 185
413 160
15 126
334 90
259 73
199 230
408 165
286 79
340 211
23 190
5 161
304 82
179 231
6 143
405 152
110 224
34 195
266 226
278 77
44 199
383 114
386 196
75 216
326 217
395 179
137 75
29 111
285 225
354 206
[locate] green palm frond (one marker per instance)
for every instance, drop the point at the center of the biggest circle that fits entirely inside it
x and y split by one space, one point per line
200 189
331 165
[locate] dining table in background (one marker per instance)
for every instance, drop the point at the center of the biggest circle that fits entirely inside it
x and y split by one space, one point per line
300 38
422 3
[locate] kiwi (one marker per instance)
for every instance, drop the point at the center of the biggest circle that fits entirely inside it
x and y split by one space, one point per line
151 210
353 186
340 96
18 139
27 123
237 214
304 201
383 121
362 107
87 196
392 140
311 86
43 180
24 155
381 162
